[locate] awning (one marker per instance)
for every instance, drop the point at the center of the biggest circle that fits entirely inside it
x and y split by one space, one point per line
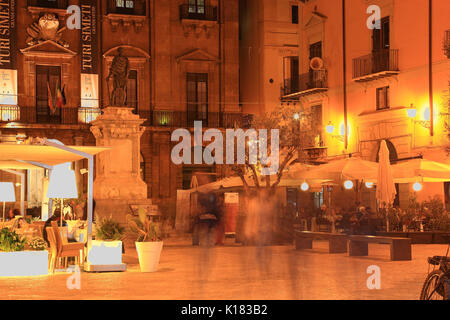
11 153
421 170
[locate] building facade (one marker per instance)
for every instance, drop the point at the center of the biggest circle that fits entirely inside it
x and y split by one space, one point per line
357 85
184 66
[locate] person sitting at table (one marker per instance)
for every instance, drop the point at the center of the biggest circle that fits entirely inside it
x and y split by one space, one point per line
55 217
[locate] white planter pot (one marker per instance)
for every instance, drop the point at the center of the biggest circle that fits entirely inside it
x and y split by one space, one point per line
23 263
105 252
149 254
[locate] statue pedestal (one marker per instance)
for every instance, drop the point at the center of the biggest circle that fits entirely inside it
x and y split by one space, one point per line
118 180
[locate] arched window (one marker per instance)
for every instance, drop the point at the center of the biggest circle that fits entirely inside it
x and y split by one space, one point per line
393 156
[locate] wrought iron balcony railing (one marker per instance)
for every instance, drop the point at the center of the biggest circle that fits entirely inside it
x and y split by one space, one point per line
182 119
53 4
315 79
447 43
379 61
82 115
193 12
136 7
64 115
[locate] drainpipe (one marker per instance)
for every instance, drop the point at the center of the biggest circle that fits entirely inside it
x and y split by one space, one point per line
221 60
430 64
344 64
100 52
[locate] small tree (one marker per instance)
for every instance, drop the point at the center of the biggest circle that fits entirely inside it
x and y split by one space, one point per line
294 136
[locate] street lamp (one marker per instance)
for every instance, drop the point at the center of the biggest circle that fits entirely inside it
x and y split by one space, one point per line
330 131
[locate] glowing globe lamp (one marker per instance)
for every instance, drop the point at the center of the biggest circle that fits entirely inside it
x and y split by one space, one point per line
348 184
369 185
417 186
330 128
304 186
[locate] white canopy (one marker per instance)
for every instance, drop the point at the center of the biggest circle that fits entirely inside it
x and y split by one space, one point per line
421 170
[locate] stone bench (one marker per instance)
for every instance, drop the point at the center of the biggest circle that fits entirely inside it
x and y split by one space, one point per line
400 247
337 242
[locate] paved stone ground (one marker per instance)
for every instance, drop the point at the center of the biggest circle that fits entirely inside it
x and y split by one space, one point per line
233 272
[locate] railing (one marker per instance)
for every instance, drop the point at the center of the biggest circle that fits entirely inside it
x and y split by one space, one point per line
290 86
158 118
54 4
447 43
138 9
315 79
182 119
198 12
30 115
379 61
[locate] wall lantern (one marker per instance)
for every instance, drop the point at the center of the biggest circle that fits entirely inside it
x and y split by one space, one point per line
330 130
305 186
369 185
412 112
348 184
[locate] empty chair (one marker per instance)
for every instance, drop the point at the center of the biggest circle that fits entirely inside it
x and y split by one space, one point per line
65 250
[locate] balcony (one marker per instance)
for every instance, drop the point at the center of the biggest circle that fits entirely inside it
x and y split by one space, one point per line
315 81
59 7
65 116
447 43
53 4
190 12
137 8
131 13
180 119
380 64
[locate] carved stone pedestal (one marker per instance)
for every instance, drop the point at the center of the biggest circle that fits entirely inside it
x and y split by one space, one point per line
118 182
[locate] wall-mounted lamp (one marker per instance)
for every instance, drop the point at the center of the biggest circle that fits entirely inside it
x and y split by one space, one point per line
330 131
304 186
412 113
348 184
369 185
417 186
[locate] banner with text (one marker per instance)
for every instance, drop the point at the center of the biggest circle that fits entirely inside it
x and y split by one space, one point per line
89 55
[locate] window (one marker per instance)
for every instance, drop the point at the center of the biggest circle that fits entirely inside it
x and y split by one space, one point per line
382 98
129 4
47 3
315 50
294 10
47 80
197 6
316 125
291 74
381 37
132 91
197 97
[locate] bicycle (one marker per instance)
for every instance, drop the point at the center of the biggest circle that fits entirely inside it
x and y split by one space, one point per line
437 283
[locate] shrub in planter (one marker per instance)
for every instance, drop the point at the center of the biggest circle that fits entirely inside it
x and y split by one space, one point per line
11 241
109 230
107 248
147 237
37 244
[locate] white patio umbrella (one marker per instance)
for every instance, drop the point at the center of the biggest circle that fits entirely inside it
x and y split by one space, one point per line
344 169
421 170
385 183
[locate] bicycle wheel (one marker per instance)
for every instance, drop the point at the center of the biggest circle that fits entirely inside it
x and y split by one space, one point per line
434 287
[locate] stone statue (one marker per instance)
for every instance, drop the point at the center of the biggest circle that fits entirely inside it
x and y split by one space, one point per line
119 71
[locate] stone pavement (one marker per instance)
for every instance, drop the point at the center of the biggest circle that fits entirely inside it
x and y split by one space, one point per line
233 272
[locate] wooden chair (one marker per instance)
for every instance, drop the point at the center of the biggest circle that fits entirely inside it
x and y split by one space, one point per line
66 250
53 250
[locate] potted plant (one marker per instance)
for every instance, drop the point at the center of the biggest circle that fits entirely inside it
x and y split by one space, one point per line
106 249
146 235
21 258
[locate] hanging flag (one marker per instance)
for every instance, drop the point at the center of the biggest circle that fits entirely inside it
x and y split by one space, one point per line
50 99
64 95
59 96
